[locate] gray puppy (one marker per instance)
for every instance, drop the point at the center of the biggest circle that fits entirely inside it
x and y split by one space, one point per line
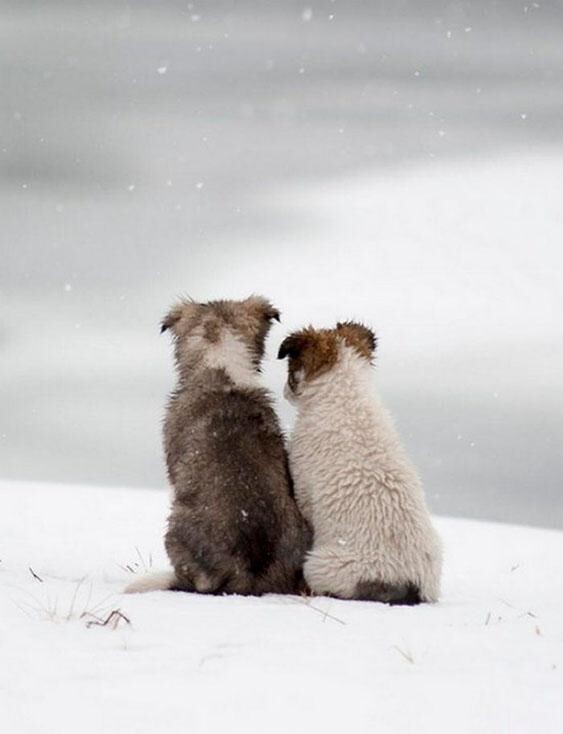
234 527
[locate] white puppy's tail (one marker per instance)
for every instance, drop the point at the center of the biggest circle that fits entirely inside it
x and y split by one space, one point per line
157 581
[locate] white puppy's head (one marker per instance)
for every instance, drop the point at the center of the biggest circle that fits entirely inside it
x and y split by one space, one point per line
315 352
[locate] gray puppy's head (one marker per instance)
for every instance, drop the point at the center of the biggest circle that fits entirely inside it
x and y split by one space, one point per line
227 334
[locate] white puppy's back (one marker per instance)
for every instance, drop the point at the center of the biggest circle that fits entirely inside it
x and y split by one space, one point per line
373 536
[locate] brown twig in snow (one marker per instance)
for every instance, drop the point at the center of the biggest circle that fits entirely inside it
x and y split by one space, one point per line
112 620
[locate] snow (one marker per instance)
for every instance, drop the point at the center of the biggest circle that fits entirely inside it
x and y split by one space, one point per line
487 658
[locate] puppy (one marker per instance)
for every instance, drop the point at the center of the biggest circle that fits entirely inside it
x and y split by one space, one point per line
373 538
234 527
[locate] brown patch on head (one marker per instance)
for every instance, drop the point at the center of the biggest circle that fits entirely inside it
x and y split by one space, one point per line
358 336
249 319
311 353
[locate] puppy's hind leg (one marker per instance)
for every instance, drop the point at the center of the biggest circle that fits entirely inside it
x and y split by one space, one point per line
331 570
401 593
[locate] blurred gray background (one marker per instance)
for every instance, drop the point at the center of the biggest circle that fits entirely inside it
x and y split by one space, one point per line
150 149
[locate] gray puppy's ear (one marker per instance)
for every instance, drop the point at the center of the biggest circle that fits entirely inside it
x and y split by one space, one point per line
263 308
172 318
273 313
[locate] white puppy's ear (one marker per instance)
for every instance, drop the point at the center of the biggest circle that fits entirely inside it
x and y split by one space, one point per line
293 345
359 336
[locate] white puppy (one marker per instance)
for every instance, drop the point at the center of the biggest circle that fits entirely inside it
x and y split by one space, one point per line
373 538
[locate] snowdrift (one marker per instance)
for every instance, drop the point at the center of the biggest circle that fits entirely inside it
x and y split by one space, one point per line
487 658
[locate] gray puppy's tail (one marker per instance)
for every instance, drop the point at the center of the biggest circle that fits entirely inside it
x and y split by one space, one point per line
157 581
404 593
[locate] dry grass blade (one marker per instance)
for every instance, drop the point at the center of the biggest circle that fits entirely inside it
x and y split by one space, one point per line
326 615
406 654
146 566
35 576
140 564
62 609
98 607
73 601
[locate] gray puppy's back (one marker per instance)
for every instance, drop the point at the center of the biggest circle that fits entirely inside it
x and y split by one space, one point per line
234 525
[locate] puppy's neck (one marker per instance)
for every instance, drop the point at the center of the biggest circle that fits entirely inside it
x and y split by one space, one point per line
229 354
350 378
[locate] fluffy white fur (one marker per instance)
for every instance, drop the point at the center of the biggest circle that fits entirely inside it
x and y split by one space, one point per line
358 489
156 581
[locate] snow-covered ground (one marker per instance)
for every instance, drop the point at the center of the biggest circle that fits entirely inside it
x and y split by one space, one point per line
395 162
487 658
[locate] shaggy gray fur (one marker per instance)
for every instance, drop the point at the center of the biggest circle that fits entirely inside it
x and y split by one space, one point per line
234 526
